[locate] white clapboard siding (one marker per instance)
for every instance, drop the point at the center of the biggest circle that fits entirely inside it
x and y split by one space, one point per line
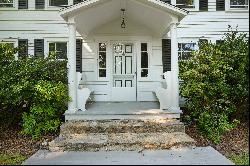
47 24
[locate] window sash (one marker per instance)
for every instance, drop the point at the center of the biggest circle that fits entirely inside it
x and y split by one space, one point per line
102 60
55 47
58 2
238 4
144 60
184 51
185 3
6 3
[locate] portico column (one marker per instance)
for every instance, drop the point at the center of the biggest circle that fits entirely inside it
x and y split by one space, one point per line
174 69
72 82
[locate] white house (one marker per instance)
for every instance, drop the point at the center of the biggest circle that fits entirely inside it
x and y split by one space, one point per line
119 49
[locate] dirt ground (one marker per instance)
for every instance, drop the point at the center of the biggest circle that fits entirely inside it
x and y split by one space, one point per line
233 142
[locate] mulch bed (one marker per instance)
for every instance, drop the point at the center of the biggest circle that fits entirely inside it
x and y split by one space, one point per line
233 142
12 142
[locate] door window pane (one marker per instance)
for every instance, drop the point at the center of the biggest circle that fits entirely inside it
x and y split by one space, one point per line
102 60
144 60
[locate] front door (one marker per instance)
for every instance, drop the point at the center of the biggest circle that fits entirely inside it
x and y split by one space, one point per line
124 72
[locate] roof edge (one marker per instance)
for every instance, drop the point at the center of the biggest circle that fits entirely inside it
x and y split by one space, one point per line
175 9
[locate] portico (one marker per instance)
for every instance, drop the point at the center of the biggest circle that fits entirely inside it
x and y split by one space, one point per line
136 46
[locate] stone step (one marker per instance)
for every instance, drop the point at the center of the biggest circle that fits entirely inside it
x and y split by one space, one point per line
122 126
121 141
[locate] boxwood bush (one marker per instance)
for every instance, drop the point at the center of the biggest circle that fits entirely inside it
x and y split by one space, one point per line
25 86
216 84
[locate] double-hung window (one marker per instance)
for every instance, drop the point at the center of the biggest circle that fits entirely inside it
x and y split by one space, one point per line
59 49
185 3
58 2
6 3
239 4
185 50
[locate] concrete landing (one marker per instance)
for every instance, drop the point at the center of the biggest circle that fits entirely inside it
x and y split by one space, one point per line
121 110
185 156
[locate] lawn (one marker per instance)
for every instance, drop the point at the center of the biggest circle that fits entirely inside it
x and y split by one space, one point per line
11 159
241 159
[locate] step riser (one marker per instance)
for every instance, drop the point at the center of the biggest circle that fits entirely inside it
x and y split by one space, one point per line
73 117
120 147
121 129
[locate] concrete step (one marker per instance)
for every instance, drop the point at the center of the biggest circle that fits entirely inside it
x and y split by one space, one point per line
121 141
122 126
82 116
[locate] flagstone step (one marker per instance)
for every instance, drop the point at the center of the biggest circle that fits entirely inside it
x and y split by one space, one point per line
121 141
122 126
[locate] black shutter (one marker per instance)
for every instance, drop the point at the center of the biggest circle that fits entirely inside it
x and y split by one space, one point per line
40 4
166 55
166 1
77 1
203 5
220 5
23 48
78 55
39 47
22 4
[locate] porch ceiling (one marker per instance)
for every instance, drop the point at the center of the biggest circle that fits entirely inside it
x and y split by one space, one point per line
151 14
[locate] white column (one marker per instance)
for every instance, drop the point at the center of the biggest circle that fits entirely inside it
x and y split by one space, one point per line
174 69
72 80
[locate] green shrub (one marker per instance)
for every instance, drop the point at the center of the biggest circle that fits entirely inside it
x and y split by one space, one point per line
20 80
216 84
44 116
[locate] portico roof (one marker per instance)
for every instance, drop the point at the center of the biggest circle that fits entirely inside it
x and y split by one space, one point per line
154 15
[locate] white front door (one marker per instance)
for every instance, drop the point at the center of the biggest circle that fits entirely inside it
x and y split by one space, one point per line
124 72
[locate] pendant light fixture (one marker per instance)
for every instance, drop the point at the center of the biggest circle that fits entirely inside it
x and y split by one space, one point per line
123 24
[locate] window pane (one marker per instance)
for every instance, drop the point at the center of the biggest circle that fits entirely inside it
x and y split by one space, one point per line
61 50
144 60
188 46
58 2
102 72
52 47
144 73
102 59
144 47
102 46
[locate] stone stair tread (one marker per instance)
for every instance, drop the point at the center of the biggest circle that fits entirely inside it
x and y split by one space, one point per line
122 126
124 138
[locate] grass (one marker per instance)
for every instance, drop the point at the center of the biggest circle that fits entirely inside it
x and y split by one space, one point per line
11 159
242 159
